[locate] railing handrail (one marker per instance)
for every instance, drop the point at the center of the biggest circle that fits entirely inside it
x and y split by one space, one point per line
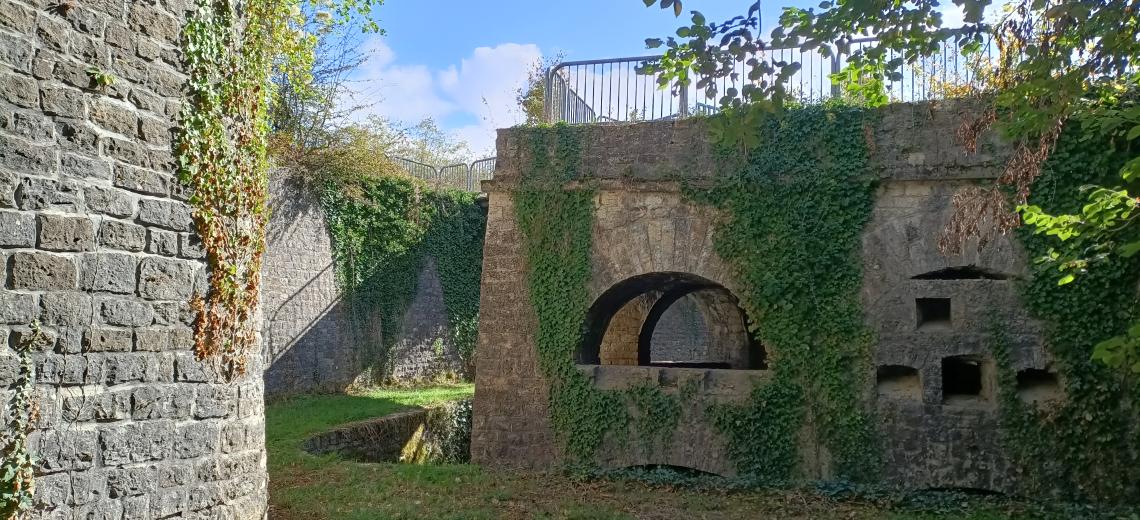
437 173
582 101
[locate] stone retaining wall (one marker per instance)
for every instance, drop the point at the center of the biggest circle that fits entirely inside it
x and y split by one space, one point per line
316 340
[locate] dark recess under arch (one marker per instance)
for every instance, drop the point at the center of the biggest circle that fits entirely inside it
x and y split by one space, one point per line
671 286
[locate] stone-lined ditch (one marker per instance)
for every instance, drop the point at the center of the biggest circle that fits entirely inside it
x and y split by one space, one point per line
438 434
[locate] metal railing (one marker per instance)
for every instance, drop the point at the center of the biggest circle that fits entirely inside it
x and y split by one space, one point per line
453 176
612 90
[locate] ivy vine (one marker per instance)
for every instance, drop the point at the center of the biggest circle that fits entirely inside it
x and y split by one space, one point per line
1087 447
795 211
556 221
17 464
383 231
220 156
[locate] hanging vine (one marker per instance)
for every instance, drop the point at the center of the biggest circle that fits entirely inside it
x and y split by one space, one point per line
17 465
230 51
795 212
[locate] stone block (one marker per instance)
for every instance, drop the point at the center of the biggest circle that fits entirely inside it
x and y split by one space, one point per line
154 402
141 180
19 90
117 234
125 368
166 279
100 510
195 440
53 491
53 33
126 313
215 401
155 131
9 363
151 21
128 482
29 125
68 309
166 214
38 193
173 313
82 166
109 201
161 242
17 229
190 246
87 487
66 450
9 182
41 271
16 17
154 339
23 156
66 233
109 272
114 116
126 151
16 51
102 339
142 442
101 407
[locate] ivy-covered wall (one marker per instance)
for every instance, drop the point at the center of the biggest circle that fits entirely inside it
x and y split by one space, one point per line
882 360
372 283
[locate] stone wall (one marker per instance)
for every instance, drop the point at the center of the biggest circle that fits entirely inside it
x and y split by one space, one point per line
98 247
929 311
309 343
315 339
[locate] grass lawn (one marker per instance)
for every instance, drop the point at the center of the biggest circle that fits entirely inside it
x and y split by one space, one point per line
308 487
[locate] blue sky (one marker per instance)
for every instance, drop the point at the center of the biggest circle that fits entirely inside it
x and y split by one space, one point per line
460 62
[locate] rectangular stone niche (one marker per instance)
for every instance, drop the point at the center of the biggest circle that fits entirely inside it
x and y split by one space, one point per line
966 380
932 313
1038 386
898 382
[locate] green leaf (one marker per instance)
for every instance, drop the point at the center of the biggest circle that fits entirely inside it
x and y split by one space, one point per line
1066 279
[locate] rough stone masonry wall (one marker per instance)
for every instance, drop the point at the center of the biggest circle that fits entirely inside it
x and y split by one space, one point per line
308 339
644 224
314 339
97 245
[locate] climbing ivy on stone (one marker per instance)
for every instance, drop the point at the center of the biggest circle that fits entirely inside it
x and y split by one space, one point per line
556 223
1088 446
795 210
230 51
17 464
384 228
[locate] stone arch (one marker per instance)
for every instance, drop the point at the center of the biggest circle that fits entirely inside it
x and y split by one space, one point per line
619 325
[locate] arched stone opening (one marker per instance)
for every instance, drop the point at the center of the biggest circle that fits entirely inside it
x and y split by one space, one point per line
669 320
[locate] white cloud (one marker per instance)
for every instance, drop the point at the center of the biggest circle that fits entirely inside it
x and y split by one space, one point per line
480 87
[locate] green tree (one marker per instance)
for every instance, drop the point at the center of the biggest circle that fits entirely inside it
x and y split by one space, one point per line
1057 60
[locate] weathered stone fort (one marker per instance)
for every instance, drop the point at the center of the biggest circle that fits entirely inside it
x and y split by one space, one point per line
933 382
98 250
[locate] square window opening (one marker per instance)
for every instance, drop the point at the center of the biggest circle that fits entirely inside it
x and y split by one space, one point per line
962 379
932 313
